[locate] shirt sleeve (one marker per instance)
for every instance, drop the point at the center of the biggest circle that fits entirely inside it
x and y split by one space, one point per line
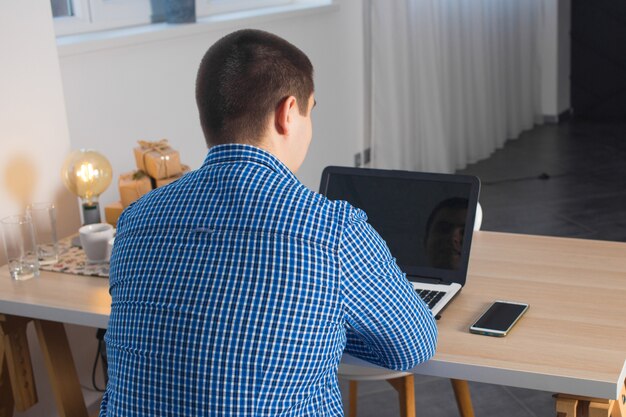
386 322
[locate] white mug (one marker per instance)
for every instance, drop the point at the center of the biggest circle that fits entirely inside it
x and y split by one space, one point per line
94 238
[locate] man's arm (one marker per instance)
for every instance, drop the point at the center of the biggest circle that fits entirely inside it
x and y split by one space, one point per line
386 322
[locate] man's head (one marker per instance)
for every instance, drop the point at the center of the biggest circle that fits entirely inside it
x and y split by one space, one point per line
245 81
445 229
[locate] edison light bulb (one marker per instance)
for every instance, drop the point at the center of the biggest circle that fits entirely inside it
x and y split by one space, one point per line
87 174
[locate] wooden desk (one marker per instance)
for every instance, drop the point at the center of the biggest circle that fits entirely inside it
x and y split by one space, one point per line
50 300
571 341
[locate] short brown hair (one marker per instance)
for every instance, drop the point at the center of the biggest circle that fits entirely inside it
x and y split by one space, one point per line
243 78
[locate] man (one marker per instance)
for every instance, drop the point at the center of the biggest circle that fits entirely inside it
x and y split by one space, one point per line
235 289
445 230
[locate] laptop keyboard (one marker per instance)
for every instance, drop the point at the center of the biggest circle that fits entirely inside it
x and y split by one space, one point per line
430 297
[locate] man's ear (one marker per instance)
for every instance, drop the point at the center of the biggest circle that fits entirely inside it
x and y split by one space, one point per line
283 118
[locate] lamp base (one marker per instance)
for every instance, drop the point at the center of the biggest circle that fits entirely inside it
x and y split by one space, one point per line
91 213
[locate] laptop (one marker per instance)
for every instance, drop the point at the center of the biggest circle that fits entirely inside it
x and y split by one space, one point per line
426 219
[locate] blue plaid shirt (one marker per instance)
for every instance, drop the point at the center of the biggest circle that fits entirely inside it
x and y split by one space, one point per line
236 290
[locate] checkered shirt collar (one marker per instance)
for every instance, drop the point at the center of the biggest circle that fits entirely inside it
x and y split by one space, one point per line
237 152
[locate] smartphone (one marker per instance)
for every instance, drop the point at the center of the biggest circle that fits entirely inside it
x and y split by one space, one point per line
499 318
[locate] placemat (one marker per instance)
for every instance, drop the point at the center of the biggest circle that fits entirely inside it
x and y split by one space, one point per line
72 260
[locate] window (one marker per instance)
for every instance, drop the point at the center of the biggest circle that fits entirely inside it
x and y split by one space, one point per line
62 8
209 7
79 16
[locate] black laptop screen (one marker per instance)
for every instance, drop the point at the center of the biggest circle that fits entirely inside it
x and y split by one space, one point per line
425 219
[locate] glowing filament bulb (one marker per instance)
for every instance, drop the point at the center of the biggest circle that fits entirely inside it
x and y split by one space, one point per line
87 174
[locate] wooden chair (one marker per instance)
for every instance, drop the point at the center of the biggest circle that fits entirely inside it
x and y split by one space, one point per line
403 383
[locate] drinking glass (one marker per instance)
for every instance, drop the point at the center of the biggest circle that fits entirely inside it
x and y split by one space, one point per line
43 216
20 247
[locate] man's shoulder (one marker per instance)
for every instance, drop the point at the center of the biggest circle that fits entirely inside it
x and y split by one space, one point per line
168 200
259 198
337 210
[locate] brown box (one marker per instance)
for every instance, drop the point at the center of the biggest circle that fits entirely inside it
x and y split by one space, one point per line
112 212
165 181
157 159
133 185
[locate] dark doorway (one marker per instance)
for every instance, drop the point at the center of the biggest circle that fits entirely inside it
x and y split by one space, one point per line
598 72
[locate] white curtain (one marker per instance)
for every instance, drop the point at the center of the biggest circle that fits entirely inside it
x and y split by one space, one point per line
449 81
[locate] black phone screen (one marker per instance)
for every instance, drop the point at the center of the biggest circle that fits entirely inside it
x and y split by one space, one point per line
500 316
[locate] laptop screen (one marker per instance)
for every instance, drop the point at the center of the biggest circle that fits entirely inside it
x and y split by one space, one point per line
426 219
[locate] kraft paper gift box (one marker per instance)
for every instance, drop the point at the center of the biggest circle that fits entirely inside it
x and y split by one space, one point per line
133 185
165 181
112 212
157 159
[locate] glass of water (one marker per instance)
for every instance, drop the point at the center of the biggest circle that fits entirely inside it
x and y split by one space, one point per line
20 247
43 216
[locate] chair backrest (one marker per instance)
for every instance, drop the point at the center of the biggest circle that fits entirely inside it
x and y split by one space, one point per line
479 217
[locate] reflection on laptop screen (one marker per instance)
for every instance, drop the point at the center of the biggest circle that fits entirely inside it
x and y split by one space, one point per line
422 218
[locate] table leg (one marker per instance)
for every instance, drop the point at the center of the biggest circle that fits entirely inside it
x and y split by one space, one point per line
352 402
463 398
566 406
19 365
601 408
6 393
405 385
573 405
61 369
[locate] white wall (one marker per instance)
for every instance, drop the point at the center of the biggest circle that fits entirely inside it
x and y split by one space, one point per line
35 139
33 123
555 59
549 43
564 53
120 94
